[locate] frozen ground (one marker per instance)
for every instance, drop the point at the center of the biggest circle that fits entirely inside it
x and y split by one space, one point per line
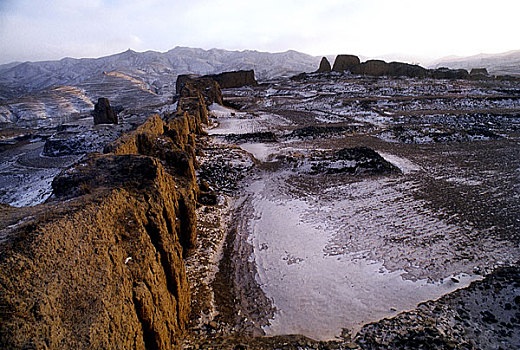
303 242
26 175
29 162
313 264
331 252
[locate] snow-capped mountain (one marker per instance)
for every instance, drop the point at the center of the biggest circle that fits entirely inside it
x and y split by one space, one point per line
158 70
507 63
29 91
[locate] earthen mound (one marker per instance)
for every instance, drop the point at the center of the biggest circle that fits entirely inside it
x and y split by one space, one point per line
345 62
324 66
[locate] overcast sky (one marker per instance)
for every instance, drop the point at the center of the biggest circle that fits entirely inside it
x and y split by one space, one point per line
53 29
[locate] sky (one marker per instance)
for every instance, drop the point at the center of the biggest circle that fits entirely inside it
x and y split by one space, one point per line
34 30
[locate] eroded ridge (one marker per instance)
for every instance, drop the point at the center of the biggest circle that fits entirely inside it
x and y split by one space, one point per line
101 263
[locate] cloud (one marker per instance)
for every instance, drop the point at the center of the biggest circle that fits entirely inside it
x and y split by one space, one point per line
38 29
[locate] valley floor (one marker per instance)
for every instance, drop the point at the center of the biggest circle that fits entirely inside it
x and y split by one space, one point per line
348 211
413 246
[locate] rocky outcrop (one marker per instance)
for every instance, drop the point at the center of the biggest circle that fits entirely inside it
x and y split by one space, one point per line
181 81
396 69
324 66
193 106
235 79
103 113
260 136
345 62
101 264
356 160
134 141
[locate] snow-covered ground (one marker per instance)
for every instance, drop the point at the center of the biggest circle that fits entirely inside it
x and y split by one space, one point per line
344 255
333 252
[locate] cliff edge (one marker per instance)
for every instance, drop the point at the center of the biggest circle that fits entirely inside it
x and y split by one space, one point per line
101 265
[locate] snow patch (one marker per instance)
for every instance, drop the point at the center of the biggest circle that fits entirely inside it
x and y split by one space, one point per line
317 293
405 165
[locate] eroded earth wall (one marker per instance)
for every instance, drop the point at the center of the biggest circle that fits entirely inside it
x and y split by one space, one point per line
101 264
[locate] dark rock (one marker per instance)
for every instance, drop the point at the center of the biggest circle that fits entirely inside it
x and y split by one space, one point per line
233 104
324 66
321 131
366 159
396 69
479 74
103 113
266 136
209 85
204 186
235 79
345 62
446 73
353 161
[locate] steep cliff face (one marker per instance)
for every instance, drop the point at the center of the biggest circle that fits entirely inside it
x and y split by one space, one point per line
101 265
105 268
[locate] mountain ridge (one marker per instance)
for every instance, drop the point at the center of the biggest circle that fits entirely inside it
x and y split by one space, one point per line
158 69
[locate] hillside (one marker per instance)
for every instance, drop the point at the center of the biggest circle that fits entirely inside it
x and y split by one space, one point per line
32 92
507 63
158 70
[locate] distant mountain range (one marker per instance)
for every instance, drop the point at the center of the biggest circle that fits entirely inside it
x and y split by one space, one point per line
157 69
507 63
35 91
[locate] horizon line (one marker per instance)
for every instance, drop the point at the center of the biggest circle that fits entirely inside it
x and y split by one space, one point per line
426 59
